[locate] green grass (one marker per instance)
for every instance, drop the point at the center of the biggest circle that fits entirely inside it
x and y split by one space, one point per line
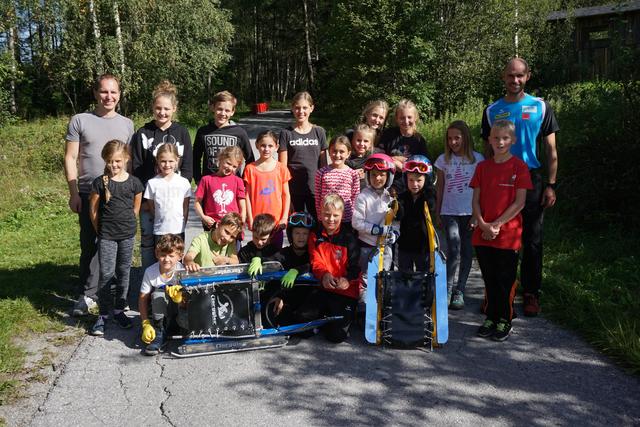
38 241
591 284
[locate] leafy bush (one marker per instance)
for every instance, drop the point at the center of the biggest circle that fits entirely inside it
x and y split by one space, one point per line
598 148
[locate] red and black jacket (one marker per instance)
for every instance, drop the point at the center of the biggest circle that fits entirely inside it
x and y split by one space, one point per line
337 254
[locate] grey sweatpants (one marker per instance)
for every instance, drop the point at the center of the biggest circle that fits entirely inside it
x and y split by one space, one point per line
115 259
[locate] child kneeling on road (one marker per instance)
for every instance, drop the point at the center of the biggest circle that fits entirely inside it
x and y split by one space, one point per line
334 254
286 304
168 251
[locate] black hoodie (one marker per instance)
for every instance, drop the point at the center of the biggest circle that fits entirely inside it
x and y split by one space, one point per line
149 138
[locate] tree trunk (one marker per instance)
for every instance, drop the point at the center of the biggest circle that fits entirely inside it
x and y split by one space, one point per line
116 19
96 35
308 44
12 35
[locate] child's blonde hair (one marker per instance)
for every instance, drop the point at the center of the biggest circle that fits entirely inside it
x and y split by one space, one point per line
406 104
168 243
342 140
302 96
467 141
168 148
508 125
108 151
333 201
234 153
166 89
372 105
263 224
266 134
365 129
224 96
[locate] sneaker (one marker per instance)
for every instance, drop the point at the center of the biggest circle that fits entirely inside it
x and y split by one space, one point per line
503 329
84 306
457 303
155 346
122 320
487 329
531 305
97 330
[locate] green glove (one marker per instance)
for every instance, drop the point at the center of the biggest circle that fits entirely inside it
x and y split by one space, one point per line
175 293
148 332
255 267
289 278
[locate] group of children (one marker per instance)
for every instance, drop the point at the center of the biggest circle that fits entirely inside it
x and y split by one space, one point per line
339 206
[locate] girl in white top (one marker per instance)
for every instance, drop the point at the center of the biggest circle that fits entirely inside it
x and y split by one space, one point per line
454 169
167 195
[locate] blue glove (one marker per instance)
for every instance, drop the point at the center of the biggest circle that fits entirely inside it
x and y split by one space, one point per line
289 278
255 267
377 230
392 237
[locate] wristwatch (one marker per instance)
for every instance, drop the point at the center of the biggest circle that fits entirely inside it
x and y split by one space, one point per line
552 185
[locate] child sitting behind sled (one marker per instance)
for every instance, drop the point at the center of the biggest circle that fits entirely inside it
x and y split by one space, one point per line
215 247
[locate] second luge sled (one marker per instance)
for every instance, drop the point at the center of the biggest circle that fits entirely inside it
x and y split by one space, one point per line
408 309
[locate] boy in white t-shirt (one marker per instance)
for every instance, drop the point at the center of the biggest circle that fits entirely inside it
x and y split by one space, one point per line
168 251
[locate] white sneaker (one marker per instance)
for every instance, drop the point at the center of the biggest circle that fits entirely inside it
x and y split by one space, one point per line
84 306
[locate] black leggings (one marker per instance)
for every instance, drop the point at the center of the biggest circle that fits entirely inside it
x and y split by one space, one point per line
499 268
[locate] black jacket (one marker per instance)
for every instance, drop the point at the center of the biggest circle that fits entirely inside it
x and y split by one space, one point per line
149 138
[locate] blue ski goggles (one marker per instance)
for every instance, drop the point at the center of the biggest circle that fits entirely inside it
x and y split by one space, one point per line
301 219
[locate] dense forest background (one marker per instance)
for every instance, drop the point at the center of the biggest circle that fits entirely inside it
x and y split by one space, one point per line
442 54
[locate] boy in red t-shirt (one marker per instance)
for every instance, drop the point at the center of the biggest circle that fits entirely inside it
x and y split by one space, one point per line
334 253
500 187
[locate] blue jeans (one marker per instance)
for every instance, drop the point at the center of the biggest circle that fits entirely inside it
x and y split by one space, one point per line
459 249
115 259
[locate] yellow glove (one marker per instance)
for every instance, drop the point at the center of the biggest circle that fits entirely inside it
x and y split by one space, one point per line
175 293
148 332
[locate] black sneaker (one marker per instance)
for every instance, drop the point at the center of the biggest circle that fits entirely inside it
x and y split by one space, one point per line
155 346
503 329
487 329
122 320
97 330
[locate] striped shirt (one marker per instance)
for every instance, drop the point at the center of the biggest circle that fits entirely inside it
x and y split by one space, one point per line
345 182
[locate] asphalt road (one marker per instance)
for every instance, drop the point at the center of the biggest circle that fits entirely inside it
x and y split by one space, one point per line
543 375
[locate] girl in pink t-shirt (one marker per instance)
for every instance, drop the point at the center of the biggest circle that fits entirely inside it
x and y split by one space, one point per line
223 192
338 178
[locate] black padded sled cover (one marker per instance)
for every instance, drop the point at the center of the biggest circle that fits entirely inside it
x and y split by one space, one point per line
407 299
221 310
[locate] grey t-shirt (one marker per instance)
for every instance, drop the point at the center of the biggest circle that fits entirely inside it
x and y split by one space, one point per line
93 132
303 153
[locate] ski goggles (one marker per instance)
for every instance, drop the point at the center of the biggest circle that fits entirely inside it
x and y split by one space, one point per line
379 164
301 219
418 167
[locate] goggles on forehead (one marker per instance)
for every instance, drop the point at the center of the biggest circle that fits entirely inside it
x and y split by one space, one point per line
379 164
302 219
418 167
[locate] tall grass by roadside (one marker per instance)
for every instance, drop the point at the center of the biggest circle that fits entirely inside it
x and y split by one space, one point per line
38 240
